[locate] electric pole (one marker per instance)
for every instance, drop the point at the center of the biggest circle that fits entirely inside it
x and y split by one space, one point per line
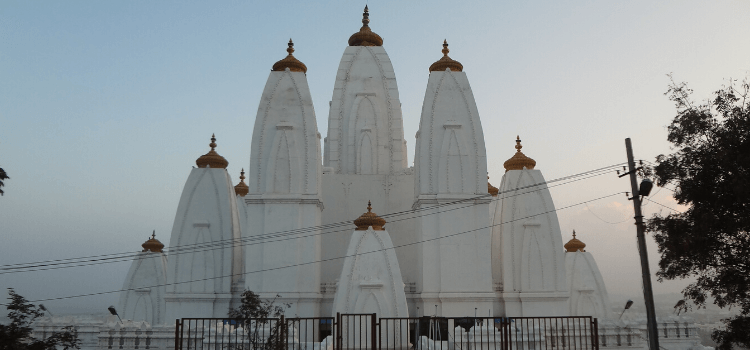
648 294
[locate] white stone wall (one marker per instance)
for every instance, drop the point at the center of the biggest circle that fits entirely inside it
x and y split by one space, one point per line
204 245
452 199
345 197
365 128
284 201
144 289
528 264
370 280
588 294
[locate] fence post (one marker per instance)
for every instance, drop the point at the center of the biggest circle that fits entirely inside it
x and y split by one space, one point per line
176 334
373 330
595 333
338 338
506 329
282 337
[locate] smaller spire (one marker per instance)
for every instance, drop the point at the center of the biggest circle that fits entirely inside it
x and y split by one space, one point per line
153 244
446 62
492 189
289 61
212 159
519 160
365 36
369 219
574 245
241 189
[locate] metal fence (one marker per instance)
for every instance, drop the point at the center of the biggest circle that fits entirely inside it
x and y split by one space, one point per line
368 332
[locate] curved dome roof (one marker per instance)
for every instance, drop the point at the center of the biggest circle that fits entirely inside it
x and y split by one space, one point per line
365 36
446 62
519 160
574 245
369 219
289 61
212 159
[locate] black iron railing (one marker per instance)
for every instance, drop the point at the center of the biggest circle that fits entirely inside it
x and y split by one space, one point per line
368 332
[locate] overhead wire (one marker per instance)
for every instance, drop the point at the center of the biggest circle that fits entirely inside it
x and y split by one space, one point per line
329 259
127 256
657 203
266 239
193 248
605 221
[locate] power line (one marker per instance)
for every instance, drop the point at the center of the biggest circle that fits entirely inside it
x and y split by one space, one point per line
127 256
192 248
611 223
657 203
329 259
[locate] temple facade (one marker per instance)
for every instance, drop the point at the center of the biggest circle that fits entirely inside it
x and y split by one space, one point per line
447 243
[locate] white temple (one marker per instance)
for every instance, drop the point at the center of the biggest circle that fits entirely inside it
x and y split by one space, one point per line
452 244
453 239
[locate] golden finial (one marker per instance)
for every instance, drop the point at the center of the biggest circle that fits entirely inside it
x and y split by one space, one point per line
446 62
365 36
241 189
153 244
519 160
289 61
366 17
369 219
574 245
212 159
492 189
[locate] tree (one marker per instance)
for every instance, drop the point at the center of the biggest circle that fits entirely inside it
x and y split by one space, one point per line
3 176
17 335
710 171
262 320
251 306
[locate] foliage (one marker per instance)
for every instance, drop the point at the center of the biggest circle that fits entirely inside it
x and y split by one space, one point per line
18 334
709 168
251 306
262 319
3 176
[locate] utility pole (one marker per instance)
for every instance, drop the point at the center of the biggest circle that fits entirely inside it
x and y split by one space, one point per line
648 294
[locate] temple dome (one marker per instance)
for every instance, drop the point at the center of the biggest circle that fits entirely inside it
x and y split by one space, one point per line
574 244
212 159
519 160
369 219
241 189
492 189
153 244
290 62
365 36
446 62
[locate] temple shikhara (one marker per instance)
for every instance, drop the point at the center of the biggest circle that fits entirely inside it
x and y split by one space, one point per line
300 224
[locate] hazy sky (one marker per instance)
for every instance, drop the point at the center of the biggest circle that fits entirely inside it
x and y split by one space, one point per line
104 107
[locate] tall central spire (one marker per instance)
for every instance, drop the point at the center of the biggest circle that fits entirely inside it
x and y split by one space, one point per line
365 36
365 128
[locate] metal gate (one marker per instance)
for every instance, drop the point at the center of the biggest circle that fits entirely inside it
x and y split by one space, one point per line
368 332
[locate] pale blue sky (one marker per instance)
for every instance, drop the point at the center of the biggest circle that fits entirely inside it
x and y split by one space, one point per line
104 106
